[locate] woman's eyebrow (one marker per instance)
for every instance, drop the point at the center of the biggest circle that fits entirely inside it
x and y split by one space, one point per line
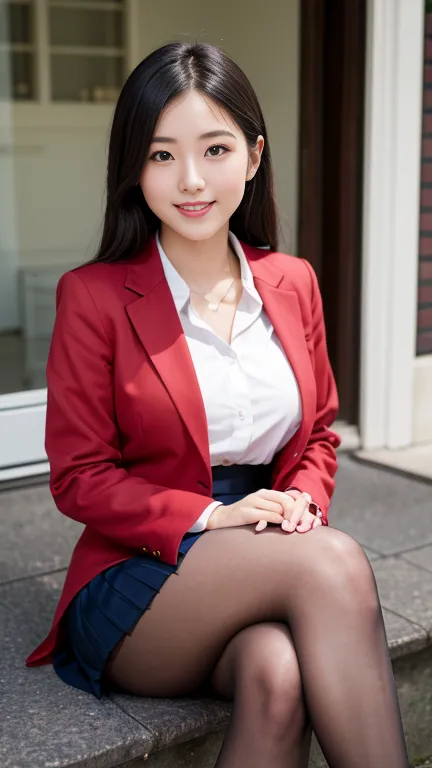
208 135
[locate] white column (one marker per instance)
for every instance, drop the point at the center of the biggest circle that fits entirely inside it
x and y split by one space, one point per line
394 80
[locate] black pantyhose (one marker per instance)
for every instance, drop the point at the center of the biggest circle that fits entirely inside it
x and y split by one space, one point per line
287 625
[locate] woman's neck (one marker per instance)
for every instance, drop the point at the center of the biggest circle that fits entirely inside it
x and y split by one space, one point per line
201 263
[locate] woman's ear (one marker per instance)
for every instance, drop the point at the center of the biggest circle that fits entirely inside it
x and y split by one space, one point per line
255 158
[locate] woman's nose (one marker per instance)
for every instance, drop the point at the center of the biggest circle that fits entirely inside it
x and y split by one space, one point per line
191 179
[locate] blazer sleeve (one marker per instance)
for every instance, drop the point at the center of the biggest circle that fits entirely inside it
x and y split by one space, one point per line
82 442
315 471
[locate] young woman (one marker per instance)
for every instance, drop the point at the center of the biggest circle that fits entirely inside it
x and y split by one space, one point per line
190 399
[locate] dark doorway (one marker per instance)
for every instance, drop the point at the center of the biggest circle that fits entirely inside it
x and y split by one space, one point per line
333 41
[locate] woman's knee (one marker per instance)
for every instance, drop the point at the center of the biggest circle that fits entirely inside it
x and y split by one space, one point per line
267 674
343 569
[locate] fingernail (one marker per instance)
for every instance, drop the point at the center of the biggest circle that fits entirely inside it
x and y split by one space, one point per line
287 526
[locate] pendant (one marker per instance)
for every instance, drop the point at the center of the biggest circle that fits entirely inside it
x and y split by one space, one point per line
213 307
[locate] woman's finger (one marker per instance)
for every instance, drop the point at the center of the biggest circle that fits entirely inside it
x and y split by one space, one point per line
261 525
250 515
300 507
308 522
262 501
278 497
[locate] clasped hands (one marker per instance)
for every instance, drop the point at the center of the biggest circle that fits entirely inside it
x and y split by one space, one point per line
295 509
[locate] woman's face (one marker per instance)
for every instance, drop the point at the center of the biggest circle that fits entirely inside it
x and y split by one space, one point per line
197 155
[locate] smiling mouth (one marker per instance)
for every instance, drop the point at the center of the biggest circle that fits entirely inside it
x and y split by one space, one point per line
198 207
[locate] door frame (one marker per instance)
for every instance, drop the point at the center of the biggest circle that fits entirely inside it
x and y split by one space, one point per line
330 175
392 171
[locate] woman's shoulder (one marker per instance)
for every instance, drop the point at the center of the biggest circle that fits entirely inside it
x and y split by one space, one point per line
96 274
103 283
298 274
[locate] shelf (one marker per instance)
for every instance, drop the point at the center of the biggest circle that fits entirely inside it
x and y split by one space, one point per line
17 48
81 50
114 5
16 23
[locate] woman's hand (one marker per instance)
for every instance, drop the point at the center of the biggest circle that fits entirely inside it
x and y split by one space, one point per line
299 518
263 506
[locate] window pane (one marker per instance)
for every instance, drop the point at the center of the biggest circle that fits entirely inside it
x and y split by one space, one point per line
70 26
16 76
86 78
16 23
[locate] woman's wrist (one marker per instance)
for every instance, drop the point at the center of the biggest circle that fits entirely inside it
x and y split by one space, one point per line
213 521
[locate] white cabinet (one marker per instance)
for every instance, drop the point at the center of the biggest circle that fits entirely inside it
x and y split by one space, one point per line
65 50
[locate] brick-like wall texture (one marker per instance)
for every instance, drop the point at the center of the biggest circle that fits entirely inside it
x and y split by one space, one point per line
424 319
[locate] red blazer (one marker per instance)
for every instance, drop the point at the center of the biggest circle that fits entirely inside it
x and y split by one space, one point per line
126 430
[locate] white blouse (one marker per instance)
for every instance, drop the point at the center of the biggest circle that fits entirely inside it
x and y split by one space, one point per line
251 397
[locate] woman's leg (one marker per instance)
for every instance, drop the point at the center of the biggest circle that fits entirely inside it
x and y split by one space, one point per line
269 726
321 586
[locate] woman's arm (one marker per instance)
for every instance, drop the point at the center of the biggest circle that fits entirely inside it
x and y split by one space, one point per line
87 482
315 471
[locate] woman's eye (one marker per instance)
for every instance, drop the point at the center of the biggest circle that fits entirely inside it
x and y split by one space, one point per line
217 147
164 156
161 156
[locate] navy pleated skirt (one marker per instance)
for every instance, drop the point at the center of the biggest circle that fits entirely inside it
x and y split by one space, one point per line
110 605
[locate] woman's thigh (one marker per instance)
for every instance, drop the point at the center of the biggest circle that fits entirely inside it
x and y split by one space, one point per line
230 579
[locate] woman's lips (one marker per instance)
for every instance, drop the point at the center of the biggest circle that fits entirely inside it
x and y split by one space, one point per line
194 214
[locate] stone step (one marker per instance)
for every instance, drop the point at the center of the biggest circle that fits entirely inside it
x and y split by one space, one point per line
44 723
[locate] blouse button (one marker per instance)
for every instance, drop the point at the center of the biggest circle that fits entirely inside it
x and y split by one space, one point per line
226 463
156 553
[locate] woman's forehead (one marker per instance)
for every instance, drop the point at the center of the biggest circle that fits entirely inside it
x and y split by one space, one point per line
196 114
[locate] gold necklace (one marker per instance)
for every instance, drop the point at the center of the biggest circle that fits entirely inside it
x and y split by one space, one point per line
213 306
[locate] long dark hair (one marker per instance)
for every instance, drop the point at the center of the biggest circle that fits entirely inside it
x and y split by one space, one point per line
157 80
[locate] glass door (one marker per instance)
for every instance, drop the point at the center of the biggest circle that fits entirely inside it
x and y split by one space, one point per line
62 64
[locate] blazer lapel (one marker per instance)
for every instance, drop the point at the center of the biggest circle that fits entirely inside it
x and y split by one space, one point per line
283 309
157 324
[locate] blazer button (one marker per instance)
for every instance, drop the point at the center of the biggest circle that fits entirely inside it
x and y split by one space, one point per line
295 455
144 549
156 553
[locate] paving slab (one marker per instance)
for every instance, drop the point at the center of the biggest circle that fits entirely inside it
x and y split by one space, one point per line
421 557
415 460
383 511
34 536
172 721
371 555
46 723
413 676
405 589
403 636
27 609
